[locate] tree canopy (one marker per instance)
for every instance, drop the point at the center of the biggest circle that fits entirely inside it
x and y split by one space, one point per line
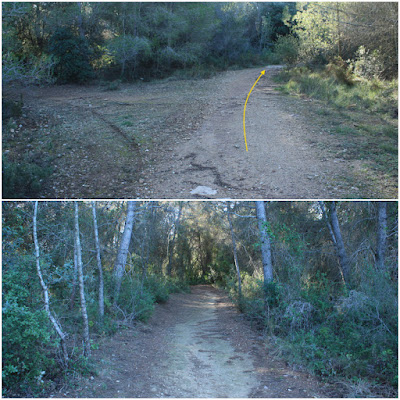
305 299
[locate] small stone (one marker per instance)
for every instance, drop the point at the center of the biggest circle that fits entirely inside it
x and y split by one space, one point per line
141 180
203 191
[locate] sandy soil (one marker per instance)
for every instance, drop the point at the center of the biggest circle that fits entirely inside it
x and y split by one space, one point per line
163 139
195 345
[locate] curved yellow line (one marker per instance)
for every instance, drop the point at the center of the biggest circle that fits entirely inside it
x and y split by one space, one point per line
244 111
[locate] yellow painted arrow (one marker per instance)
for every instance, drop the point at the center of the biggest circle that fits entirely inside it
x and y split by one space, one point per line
244 111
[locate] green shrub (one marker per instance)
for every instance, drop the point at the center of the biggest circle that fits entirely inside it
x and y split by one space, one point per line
28 350
22 180
72 55
157 287
335 86
286 49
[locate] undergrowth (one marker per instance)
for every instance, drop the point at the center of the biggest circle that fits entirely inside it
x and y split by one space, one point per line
340 89
336 334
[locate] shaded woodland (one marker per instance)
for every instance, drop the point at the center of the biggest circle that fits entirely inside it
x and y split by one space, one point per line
318 279
76 42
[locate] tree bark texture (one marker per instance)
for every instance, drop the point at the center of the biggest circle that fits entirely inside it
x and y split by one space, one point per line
98 258
341 251
123 249
228 207
171 247
265 242
86 338
381 235
45 291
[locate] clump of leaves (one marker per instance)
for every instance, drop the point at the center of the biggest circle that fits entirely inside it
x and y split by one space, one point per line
23 179
72 55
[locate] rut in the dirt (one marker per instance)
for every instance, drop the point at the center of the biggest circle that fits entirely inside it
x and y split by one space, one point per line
195 345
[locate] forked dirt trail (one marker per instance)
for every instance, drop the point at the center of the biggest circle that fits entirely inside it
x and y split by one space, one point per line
163 139
281 161
195 345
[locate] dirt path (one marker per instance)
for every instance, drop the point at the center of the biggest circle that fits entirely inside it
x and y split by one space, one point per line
282 161
195 345
165 138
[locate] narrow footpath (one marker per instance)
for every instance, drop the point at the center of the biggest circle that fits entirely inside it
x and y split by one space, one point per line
195 345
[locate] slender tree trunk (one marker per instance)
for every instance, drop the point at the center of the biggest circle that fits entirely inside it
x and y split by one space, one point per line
86 339
344 261
381 235
334 228
171 247
53 320
338 29
80 22
98 257
234 250
123 249
265 243
74 279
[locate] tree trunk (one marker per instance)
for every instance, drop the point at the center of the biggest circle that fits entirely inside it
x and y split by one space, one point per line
341 251
123 249
381 235
53 320
171 247
265 243
234 250
98 256
74 279
86 339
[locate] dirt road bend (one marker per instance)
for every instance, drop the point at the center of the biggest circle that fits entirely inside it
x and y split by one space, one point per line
195 345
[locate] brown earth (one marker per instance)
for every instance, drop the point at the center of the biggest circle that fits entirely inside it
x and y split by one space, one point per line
195 345
163 139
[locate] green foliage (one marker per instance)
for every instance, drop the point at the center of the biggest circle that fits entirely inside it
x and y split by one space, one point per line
11 109
27 347
22 180
157 287
375 96
72 54
286 49
368 64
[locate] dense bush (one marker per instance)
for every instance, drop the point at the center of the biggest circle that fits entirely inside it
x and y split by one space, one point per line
286 49
72 55
22 180
140 293
332 334
28 348
330 86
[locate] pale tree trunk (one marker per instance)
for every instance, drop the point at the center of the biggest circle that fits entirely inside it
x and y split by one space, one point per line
265 243
74 279
381 235
171 247
86 339
53 320
123 249
228 207
334 229
98 257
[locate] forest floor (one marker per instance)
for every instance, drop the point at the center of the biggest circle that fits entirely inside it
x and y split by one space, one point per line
165 138
195 345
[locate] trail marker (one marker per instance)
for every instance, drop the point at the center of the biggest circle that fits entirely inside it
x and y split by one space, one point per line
244 111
